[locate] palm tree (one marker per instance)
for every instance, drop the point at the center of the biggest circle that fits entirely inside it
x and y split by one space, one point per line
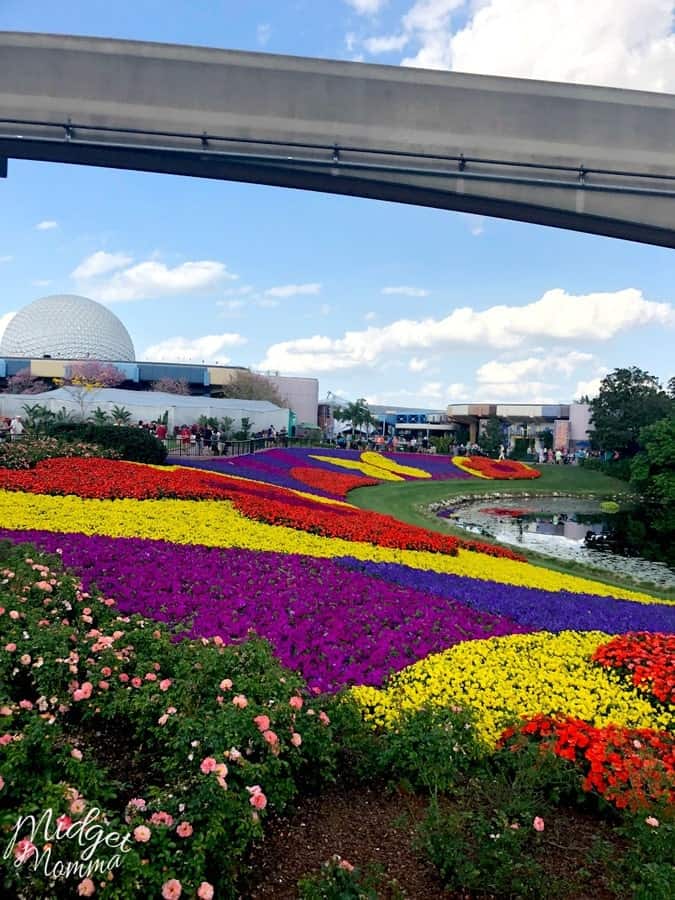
99 416
38 417
120 415
358 414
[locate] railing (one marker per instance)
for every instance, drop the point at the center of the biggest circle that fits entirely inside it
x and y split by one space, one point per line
177 447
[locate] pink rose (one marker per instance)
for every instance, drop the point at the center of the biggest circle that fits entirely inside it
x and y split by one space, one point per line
347 866
226 684
2 782
150 676
184 830
171 889
136 681
258 800
142 834
323 718
652 822
25 659
76 754
123 677
239 701
263 722
165 684
64 822
271 738
538 824
162 818
208 764
86 888
163 719
10 648
104 685
77 806
106 671
295 703
24 850
296 739
205 891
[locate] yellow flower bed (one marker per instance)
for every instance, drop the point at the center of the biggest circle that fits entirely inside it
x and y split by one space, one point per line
504 678
363 467
216 523
386 462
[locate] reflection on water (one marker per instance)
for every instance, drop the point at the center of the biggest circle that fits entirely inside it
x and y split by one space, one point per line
560 527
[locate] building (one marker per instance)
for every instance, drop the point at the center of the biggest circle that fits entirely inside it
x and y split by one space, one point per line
568 424
50 335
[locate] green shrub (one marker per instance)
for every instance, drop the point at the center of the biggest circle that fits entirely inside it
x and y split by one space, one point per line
339 880
429 749
134 444
29 451
97 709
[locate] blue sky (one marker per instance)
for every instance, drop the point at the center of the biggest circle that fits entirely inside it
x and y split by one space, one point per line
332 286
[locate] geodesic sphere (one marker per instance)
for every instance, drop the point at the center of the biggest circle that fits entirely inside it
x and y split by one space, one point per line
66 326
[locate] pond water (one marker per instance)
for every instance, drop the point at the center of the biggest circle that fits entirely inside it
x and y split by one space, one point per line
567 528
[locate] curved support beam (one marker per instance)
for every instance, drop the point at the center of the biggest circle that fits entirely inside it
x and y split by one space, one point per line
597 160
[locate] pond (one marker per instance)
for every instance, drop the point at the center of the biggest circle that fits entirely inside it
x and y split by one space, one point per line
566 528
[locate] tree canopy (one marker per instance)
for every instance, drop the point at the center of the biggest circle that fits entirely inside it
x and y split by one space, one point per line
629 399
357 413
247 385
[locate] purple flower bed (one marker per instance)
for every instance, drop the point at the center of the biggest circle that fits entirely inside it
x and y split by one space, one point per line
335 625
534 608
273 466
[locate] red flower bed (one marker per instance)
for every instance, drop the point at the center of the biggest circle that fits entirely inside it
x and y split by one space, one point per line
331 482
102 479
647 658
509 469
631 768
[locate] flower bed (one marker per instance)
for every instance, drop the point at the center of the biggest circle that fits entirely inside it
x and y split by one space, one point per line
335 626
106 479
629 767
407 619
482 467
646 659
213 737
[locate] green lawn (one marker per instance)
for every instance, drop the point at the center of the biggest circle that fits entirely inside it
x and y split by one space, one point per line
408 501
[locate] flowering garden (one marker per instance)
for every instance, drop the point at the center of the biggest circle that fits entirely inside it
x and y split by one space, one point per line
187 650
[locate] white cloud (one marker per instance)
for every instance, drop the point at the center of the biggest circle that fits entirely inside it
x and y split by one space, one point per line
46 225
263 33
293 290
267 302
370 316
386 43
418 365
366 7
589 388
5 320
522 391
433 395
149 279
181 349
406 291
497 372
622 43
100 263
6 259
556 315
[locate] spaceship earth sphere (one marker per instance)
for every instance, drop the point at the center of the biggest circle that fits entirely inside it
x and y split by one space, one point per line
66 326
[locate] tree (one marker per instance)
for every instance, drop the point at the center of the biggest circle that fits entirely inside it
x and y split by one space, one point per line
172 386
629 400
87 379
653 473
244 432
492 437
247 385
357 413
38 417
120 415
99 416
25 383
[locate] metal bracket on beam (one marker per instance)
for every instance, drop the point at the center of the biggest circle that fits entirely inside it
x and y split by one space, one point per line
461 165
336 153
205 140
583 172
3 167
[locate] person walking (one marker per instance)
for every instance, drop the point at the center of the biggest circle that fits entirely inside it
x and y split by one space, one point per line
16 428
